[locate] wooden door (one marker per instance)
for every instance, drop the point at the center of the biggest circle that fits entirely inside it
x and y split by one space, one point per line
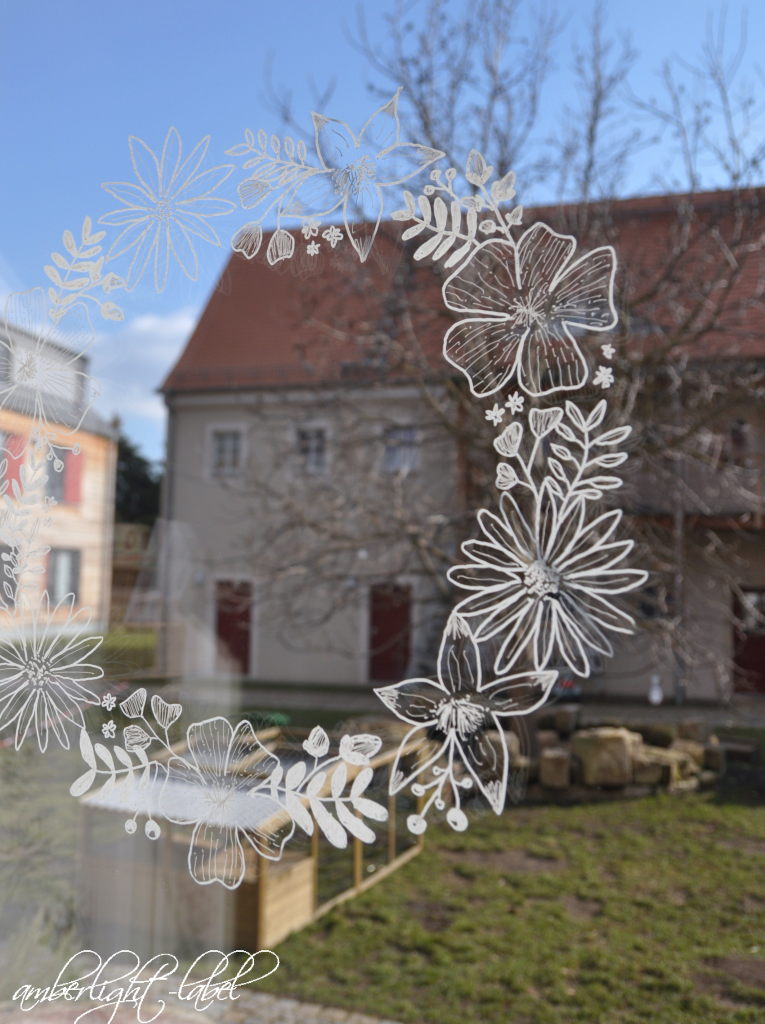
390 627
233 623
749 642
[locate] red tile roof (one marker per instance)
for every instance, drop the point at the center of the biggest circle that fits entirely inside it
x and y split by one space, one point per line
327 318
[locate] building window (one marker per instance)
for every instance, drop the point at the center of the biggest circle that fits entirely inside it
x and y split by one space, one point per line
400 453
227 452
63 574
312 448
63 483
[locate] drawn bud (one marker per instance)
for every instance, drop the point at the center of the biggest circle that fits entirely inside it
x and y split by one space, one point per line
130 826
248 240
504 188
317 743
165 713
457 819
509 441
477 171
542 421
135 737
280 247
416 824
132 706
152 829
506 477
251 191
358 749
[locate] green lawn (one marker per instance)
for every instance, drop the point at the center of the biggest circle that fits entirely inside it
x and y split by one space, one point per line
649 912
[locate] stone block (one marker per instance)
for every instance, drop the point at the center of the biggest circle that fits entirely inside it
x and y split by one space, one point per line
566 719
657 734
555 768
604 755
663 767
692 748
714 757
691 729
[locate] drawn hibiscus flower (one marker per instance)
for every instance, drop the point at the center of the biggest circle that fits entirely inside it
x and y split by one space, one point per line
44 669
524 300
224 804
356 169
459 708
168 206
548 584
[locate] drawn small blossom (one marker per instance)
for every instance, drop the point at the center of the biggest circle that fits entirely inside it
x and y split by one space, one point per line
45 670
109 702
459 708
313 248
310 228
166 208
495 415
515 403
333 235
227 807
604 377
356 170
109 730
548 584
608 350
522 303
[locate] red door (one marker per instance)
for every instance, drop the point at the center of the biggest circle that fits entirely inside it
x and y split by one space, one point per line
390 627
233 604
749 642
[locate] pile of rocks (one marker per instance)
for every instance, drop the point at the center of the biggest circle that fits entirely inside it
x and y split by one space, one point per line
639 758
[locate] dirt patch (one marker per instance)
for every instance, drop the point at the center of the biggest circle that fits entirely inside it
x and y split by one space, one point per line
753 904
433 916
505 861
755 847
582 910
749 970
722 971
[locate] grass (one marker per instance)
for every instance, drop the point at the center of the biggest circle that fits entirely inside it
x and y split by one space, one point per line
649 910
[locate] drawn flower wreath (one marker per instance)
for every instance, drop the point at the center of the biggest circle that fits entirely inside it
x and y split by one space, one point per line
542 585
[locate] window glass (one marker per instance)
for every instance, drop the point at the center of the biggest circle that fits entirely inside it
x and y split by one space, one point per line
226 452
400 449
312 448
63 574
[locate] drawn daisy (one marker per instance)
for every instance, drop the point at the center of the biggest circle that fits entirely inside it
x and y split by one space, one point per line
525 301
459 708
45 672
45 377
546 586
225 807
169 205
355 170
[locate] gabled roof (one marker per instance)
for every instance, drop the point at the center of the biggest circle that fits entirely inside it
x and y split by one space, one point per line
328 319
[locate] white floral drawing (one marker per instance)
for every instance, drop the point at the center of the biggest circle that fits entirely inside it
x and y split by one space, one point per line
109 702
352 173
46 672
170 203
333 235
495 415
547 583
515 403
109 730
458 709
44 380
604 377
521 304
608 350
226 809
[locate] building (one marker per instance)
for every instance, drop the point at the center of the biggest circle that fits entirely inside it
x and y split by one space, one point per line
74 468
318 467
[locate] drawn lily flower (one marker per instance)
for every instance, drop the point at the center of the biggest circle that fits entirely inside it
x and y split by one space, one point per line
356 169
42 380
460 708
547 584
168 206
44 670
523 300
225 805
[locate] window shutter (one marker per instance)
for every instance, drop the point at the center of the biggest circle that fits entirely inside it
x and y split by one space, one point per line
72 478
14 445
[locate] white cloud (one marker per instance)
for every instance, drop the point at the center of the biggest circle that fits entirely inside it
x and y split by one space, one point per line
129 364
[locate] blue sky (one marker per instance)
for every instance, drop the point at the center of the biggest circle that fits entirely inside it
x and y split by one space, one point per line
76 80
